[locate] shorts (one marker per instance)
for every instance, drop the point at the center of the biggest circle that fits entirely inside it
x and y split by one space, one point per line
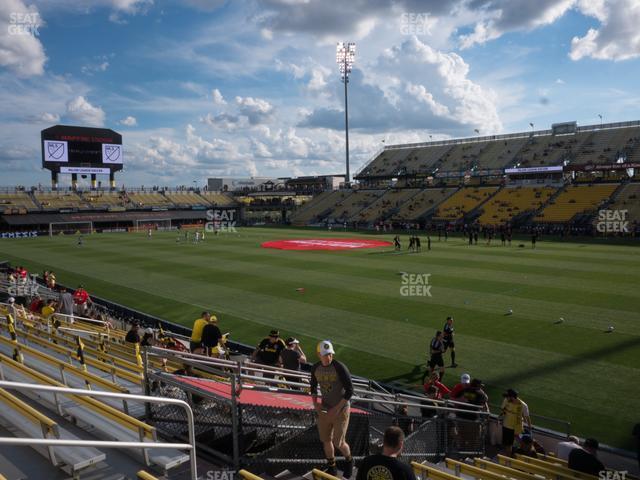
436 361
449 344
194 346
508 436
334 431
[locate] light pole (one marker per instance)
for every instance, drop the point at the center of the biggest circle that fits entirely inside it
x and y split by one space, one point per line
600 115
345 56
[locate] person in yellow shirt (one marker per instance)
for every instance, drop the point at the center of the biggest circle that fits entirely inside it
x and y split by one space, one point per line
514 413
196 332
48 310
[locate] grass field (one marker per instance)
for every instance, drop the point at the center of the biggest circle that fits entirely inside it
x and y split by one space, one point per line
573 370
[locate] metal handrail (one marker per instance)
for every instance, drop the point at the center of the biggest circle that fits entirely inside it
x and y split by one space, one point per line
191 446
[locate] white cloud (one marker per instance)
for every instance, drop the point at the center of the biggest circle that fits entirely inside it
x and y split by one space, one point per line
498 17
20 48
257 110
80 110
129 121
92 68
217 97
617 38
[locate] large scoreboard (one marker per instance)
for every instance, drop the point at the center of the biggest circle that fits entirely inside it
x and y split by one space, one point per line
81 150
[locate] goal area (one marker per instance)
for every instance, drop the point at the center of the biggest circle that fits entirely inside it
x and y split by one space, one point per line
143 224
70 228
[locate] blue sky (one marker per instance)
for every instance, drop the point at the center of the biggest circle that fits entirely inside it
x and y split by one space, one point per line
202 88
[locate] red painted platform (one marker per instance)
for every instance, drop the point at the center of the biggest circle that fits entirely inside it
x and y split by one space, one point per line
325 244
253 397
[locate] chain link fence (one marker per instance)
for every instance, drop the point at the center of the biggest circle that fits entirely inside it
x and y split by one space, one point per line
271 439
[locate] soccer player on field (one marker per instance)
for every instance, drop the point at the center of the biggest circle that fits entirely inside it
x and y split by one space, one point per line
447 337
436 350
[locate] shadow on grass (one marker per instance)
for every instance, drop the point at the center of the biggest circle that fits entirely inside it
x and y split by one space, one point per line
529 373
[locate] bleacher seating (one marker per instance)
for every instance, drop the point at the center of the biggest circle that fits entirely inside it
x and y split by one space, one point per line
462 157
513 201
381 207
218 199
186 199
549 150
606 146
58 200
320 203
352 204
148 199
421 203
628 199
576 199
463 202
101 200
16 201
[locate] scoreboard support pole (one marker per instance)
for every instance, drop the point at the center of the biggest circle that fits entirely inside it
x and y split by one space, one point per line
93 181
54 180
74 181
112 180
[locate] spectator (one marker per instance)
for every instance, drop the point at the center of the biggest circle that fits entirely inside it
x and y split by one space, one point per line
333 410
457 392
211 335
133 336
81 299
436 350
36 304
293 356
514 413
66 303
526 447
51 280
447 338
386 465
441 389
48 310
269 349
403 420
475 395
147 338
563 449
196 332
585 459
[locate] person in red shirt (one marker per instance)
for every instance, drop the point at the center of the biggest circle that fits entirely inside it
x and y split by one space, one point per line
81 299
441 388
457 392
36 304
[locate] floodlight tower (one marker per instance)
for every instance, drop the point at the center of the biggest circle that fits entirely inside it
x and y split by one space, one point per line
345 56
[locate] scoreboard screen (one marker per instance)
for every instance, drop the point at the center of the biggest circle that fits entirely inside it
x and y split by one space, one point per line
68 149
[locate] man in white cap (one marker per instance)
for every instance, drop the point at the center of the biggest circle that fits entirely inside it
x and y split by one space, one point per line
457 392
333 410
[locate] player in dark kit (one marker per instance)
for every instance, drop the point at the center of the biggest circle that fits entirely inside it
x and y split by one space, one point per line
436 350
396 242
447 337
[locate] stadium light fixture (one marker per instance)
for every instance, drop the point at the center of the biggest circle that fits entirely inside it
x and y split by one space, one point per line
345 56
600 115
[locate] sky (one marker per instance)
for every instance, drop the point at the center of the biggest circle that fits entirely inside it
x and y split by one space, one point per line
210 88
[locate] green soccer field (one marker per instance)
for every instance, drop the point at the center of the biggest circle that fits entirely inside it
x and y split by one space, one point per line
572 370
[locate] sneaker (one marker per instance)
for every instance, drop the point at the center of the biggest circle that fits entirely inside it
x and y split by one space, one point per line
332 470
454 365
348 468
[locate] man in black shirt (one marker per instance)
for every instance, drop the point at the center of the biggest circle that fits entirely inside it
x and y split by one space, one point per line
291 358
132 335
436 349
211 335
447 337
584 459
269 349
386 466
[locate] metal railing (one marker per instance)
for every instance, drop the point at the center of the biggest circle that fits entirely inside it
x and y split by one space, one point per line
191 446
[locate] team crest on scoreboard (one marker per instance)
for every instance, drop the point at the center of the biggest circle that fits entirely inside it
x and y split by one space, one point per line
111 153
55 151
